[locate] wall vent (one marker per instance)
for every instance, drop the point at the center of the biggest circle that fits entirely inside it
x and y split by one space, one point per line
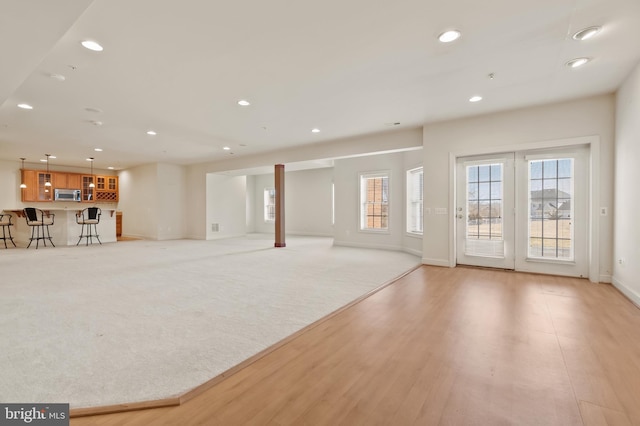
215 227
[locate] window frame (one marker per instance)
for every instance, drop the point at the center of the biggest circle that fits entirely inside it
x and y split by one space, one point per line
266 193
410 202
362 216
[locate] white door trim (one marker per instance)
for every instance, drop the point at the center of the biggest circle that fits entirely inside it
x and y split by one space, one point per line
594 191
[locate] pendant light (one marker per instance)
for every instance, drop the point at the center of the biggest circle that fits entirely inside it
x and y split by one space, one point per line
22 184
47 182
91 185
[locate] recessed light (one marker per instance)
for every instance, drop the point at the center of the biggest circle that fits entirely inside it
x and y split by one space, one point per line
577 62
475 98
226 148
315 130
25 106
586 33
97 149
243 102
43 160
92 45
151 133
91 109
110 167
449 36
53 157
58 77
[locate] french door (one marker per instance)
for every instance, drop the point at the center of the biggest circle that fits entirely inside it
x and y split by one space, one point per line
484 211
526 211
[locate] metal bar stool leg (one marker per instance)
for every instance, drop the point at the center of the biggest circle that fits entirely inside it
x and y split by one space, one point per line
48 236
11 238
95 229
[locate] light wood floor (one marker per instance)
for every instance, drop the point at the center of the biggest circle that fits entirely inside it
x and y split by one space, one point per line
441 346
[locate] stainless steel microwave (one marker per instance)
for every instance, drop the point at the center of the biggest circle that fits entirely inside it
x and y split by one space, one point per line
67 195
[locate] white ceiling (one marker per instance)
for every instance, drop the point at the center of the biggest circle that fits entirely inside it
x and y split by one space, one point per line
347 67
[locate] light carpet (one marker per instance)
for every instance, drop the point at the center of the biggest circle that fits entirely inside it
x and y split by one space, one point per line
145 320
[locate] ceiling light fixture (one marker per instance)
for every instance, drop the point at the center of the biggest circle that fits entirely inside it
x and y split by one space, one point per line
586 33
48 176
91 185
25 106
58 77
315 130
449 36
151 133
92 45
110 167
577 62
226 148
243 102
22 184
475 98
97 149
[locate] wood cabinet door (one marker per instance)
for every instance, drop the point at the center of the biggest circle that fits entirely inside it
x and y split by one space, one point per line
30 178
45 193
74 181
59 180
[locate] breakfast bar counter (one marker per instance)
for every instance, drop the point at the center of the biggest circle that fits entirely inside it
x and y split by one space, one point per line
65 230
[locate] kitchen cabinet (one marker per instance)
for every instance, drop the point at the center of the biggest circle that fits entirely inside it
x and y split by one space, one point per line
45 193
106 187
30 178
74 181
88 193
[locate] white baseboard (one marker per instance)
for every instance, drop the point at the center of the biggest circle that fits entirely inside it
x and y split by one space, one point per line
435 262
605 279
366 245
412 251
631 294
308 234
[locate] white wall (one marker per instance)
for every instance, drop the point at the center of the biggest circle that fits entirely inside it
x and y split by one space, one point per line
226 206
263 182
10 185
347 195
251 204
153 201
411 243
172 201
139 201
626 209
308 202
506 131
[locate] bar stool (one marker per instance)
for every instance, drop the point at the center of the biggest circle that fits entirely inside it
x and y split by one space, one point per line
87 217
39 222
6 224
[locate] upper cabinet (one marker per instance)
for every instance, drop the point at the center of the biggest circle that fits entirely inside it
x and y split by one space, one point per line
30 178
105 190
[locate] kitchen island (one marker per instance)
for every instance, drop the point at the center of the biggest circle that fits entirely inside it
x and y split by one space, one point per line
64 231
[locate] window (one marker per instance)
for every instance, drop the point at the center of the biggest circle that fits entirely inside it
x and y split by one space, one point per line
414 200
269 205
551 209
374 201
484 202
